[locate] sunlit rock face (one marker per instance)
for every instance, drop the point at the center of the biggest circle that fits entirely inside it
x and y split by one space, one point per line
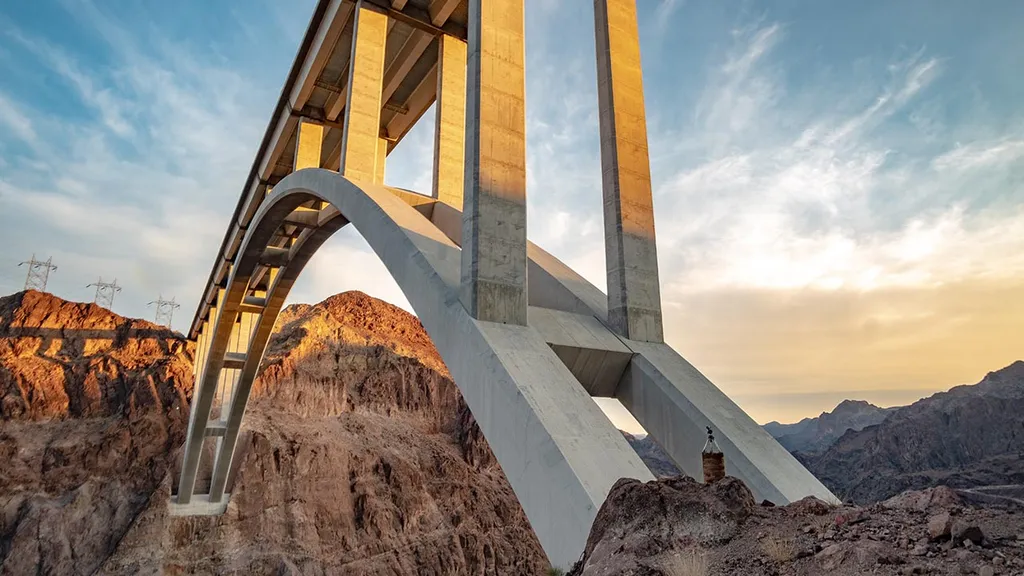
359 455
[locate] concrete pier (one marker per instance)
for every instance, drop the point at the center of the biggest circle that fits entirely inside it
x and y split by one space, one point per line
634 295
450 122
359 144
494 206
309 142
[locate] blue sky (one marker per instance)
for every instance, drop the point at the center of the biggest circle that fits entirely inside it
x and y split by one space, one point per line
839 186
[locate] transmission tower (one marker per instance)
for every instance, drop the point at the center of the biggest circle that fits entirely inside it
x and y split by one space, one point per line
105 292
164 310
38 273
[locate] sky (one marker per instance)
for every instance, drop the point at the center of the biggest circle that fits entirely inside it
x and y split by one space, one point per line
838 186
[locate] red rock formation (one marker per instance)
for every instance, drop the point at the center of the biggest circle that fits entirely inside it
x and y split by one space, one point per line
92 406
358 457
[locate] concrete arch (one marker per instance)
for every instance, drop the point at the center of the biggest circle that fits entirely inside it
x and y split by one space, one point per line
559 452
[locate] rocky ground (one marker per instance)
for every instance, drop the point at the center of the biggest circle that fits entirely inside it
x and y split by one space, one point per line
677 527
359 455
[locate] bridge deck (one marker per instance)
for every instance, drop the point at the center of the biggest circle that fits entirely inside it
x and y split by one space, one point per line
316 88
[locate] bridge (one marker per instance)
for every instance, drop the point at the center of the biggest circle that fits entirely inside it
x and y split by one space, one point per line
527 340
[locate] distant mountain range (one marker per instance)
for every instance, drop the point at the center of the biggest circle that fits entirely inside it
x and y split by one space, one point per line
657 460
817 434
968 438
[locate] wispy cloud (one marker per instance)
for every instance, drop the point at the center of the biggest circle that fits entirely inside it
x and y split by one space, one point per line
15 120
797 204
140 189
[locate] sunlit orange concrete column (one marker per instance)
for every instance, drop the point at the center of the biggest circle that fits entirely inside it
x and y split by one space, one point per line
494 204
450 122
308 142
360 138
634 296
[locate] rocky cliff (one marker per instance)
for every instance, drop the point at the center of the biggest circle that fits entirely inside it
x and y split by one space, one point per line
91 407
359 455
968 437
817 434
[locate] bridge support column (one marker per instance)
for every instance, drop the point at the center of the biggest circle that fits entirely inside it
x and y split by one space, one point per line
381 158
360 140
309 140
231 408
450 122
494 207
634 296
202 401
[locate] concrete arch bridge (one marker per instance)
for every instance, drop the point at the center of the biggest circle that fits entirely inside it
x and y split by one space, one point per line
527 340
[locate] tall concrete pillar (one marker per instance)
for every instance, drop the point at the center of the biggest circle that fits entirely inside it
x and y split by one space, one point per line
634 295
381 158
360 138
494 206
309 139
450 122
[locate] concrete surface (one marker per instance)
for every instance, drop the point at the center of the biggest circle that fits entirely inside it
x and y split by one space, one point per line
673 401
494 205
362 110
450 122
310 139
634 293
558 450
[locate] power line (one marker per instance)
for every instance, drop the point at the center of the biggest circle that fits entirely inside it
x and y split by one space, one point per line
105 292
38 273
164 310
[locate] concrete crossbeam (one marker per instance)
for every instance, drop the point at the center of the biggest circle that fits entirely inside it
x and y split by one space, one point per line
199 505
594 355
450 122
494 214
634 294
359 141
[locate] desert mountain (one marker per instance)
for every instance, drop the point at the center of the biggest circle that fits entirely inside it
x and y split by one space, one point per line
657 460
91 406
968 437
359 455
817 434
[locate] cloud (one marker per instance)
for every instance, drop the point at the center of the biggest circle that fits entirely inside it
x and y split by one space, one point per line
101 99
977 155
143 189
797 207
15 120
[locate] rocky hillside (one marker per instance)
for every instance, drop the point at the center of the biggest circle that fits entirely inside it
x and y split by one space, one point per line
968 437
91 406
657 460
678 527
359 455
817 434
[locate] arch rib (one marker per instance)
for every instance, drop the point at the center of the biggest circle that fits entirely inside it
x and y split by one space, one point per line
559 452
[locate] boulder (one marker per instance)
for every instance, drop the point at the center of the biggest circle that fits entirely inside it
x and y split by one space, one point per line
964 530
939 526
